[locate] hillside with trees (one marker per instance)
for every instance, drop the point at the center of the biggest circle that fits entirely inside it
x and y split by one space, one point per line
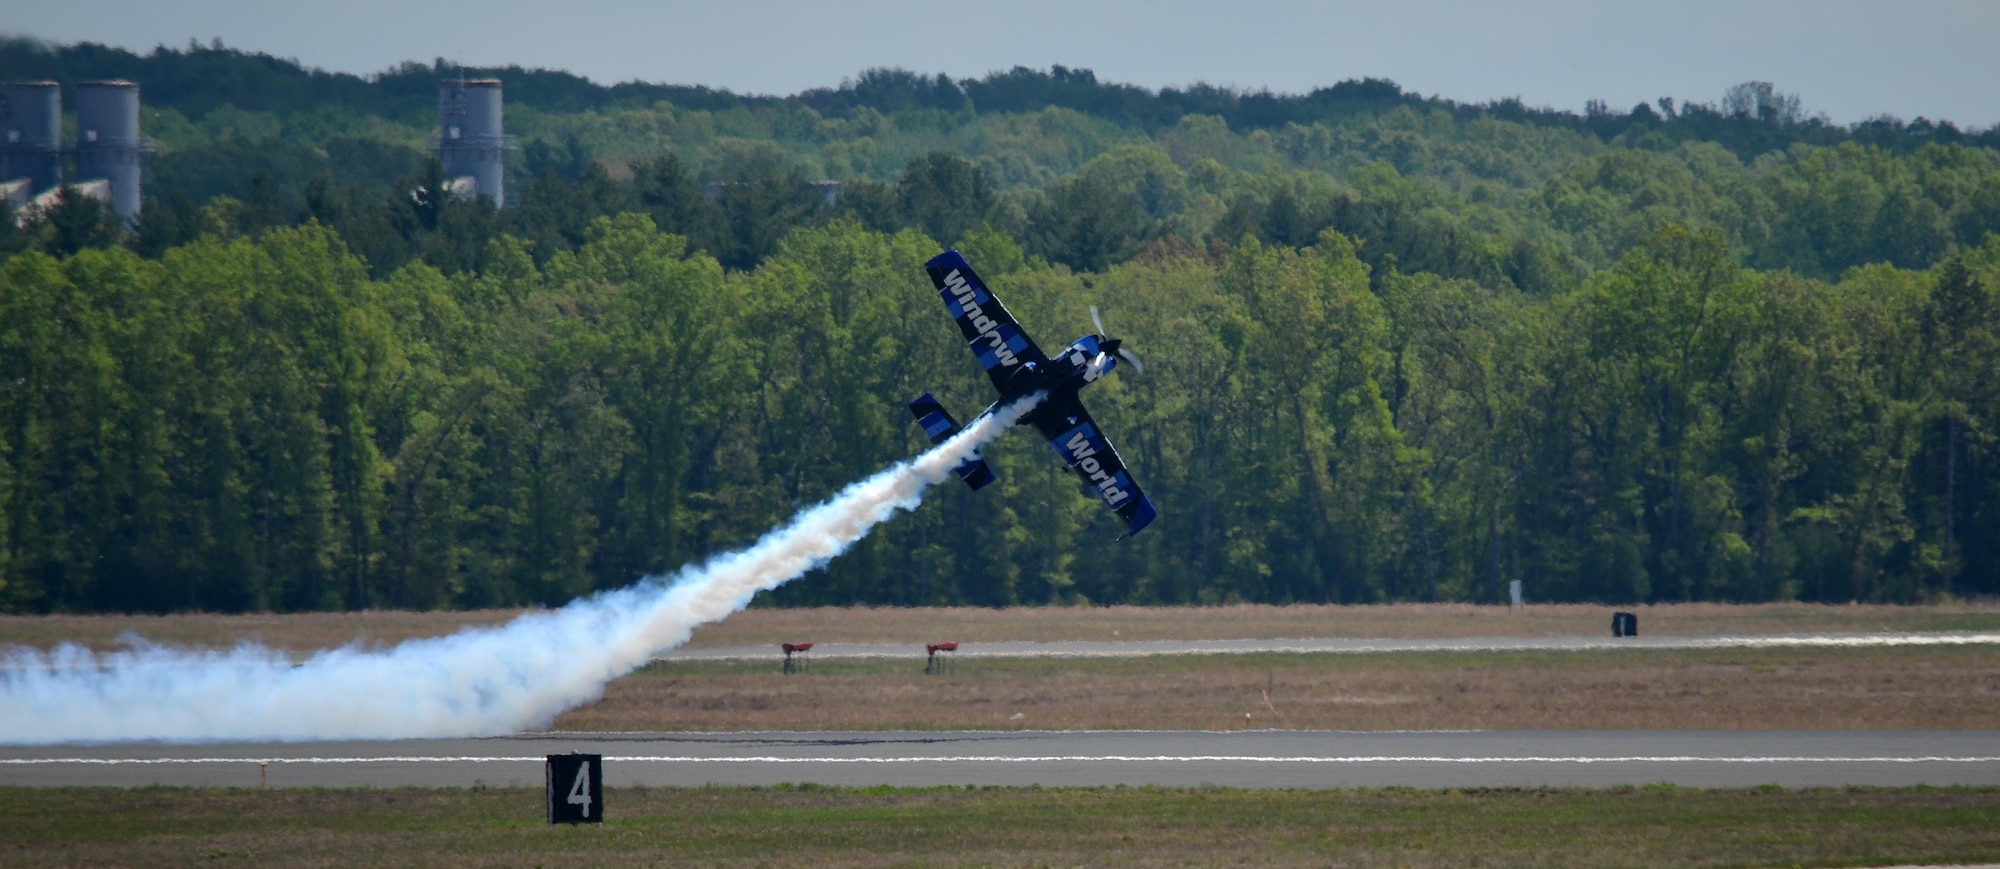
1398 348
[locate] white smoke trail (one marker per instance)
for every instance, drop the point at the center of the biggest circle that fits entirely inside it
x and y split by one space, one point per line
477 682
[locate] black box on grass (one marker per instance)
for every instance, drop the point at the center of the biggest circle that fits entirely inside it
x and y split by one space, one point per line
1624 625
576 788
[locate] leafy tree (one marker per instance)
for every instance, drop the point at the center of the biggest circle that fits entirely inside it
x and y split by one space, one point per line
75 221
1762 101
1084 223
665 191
12 239
944 196
1961 332
763 199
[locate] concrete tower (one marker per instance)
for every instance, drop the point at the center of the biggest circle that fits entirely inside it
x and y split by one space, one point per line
108 147
30 138
471 142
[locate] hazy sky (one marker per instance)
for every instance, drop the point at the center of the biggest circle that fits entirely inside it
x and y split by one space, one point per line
1850 60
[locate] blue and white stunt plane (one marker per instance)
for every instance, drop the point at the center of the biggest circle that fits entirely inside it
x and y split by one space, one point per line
1019 368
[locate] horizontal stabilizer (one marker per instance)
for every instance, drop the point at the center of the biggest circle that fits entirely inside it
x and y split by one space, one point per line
975 473
937 423
939 426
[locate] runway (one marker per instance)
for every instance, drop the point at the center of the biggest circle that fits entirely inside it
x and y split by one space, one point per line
1247 759
1146 648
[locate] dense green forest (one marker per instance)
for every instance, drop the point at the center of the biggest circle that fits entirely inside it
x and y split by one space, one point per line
1398 348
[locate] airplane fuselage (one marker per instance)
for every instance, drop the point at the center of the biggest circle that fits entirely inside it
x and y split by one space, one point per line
1076 367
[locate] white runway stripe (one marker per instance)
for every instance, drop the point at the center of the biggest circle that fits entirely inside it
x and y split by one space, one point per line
1081 758
1152 648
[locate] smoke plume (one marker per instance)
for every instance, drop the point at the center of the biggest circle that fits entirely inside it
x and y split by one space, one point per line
477 682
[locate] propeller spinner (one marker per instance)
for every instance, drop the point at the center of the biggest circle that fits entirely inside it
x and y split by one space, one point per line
1115 346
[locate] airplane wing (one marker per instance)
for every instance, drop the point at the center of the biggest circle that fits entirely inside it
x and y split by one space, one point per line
1083 447
992 333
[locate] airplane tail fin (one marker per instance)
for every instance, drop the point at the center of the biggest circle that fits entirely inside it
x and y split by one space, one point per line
939 425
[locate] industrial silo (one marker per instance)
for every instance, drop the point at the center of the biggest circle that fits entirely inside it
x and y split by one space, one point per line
471 141
31 134
108 147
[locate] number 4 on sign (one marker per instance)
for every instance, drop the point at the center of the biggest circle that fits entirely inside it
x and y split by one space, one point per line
575 786
579 793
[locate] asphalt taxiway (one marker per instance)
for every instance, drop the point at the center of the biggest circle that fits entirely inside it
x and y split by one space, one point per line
1337 646
1244 759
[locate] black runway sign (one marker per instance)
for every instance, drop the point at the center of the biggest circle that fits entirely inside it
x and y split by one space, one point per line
576 788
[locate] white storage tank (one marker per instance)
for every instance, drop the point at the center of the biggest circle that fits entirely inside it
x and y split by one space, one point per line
472 143
108 147
31 134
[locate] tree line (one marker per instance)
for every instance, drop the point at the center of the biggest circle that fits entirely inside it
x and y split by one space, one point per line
1751 119
1398 348
260 421
1812 210
1083 172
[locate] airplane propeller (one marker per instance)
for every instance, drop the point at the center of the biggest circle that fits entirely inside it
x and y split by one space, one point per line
1115 346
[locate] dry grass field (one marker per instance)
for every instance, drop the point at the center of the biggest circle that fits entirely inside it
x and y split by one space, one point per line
812 826
917 625
1920 688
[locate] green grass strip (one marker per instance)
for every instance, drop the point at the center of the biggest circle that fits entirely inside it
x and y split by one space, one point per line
821 826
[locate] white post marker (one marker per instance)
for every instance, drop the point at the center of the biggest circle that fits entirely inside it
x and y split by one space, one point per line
1514 593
